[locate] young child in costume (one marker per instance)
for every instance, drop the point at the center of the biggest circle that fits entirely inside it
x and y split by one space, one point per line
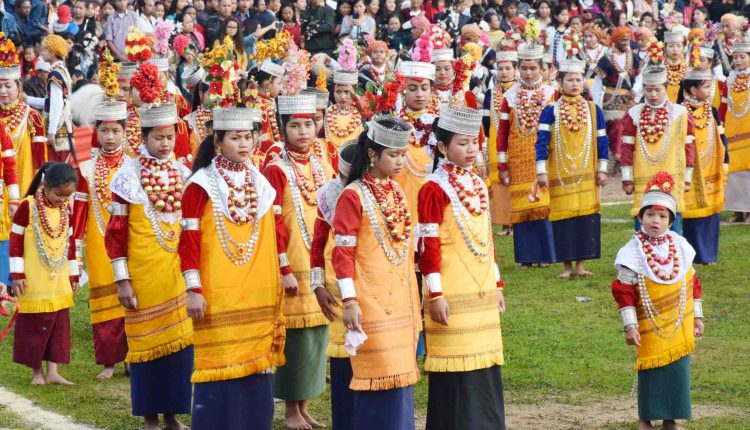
342 120
658 296
229 260
464 290
44 272
572 148
323 284
374 265
674 47
296 172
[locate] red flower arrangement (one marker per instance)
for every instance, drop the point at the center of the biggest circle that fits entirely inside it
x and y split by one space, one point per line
382 99
663 181
146 81
137 46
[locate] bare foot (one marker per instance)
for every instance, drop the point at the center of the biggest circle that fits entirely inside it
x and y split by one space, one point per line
564 275
523 266
38 379
171 423
584 274
151 423
297 422
544 265
107 373
55 378
645 425
670 425
310 420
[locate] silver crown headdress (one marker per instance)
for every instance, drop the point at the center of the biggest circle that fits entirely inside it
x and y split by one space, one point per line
299 104
111 111
417 69
157 116
388 137
460 119
234 119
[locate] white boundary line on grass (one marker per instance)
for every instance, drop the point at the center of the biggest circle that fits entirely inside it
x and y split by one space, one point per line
37 416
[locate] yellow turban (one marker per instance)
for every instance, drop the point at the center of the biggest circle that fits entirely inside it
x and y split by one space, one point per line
56 45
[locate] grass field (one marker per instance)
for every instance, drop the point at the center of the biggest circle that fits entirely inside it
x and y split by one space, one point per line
560 353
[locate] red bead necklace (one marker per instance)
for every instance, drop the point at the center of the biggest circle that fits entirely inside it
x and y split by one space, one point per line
464 194
166 196
653 123
306 186
240 196
49 230
355 120
105 163
571 113
654 261
531 102
393 213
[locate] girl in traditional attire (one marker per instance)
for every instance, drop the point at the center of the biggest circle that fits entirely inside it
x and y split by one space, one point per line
507 64
199 120
737 126
323 284
91 215
518 120
343 121
228 244
674 44
463 338
322 146
705 199
267 79
654 269
373 260
443 60
44 272
572 147
663 134
296 172
141 240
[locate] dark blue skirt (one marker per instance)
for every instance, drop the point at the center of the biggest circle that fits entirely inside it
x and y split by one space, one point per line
703 234
162 386
236 404
533 242
578 238
466 400
381 410
342 397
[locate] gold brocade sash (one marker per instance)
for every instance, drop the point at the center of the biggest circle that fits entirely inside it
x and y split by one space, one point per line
659 351
522 171
243 330
159 326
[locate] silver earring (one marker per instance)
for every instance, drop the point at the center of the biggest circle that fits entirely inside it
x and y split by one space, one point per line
372 163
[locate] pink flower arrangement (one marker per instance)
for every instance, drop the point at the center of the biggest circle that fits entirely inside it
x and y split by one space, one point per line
439 37
423 49
180 43
296 71
348 56
163 31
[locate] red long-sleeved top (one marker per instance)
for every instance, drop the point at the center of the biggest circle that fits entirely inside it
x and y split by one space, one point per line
194 201
278 180
321 232
346 222
21 219
116 236
503 131
10 176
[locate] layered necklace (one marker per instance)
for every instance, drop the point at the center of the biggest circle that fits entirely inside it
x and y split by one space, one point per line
104 164
738 83
676 72
301 187
241 196
202 116
701 122
133 130
498 96
655 262
616 65
531 101
52 255
332 127
396 251
268 114
465 194
477 242
569 164
165 195
395 213
14 114
597 55
414 117
652 126
572 111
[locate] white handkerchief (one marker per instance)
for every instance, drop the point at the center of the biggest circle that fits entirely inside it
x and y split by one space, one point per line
354 339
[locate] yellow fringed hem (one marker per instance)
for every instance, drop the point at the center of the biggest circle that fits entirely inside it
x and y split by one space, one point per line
238 370
42 306
527 215
561 215
665 358
463 364
305 321
336 351
385 383
159 351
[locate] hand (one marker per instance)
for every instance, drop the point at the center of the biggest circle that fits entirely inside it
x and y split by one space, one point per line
125 294
633 337
74 286
687 186
19 287
440 311
196 305
698 327
543 180
353 318
51 139
326 302
501 302
12 208
628 188
504 176
601 179
289 282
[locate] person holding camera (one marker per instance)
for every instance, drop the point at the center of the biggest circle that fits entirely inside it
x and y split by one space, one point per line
317 26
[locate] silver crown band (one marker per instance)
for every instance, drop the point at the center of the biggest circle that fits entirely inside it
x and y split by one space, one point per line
659 198
698 75
299 104
127 70
234 118
12 73
506 56
707 52
273 69
257 115
417 69
387 137
547 58
573 66
157 116
161 63
444 54
345 78
111 111
674 36
346 155
741 47
530 51
460 120
654 75
321 97
193 77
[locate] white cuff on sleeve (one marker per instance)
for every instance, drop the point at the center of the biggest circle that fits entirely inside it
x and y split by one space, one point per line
346 288
627 173
192 279
497 273
689 175
14 192
603 166
434 282
74 268
629 316
120 267
698 308
541 167
16 265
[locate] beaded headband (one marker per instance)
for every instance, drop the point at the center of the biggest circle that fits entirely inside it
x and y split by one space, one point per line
698 75
507 56
346 156
12 73
233 119
273 69
674 36
572 66
157 116
659 198
443 54
127 70
389 137
654 75
460 120
345 78
530 51
299 104
161 63
111 111
743 47
417 69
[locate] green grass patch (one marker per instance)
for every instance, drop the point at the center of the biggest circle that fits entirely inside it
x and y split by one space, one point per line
556 349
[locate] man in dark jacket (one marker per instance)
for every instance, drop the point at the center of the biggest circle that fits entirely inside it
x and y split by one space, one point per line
317 27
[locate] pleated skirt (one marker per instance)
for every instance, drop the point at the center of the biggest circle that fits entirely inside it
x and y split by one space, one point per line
703 235
466 400
235 404
578 238
381 410
162 386
533 242
664 392
303 377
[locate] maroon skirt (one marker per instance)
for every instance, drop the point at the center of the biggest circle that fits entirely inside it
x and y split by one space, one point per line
42 337
110 343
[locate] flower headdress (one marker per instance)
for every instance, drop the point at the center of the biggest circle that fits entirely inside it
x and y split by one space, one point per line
8 54
273 48
423 49
222 75
661 181
347 56
108 71
463 68
532 30
296 71
655 52
439 37
163 31
377 99
146 81
571 43
321 82
510 41
137 46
